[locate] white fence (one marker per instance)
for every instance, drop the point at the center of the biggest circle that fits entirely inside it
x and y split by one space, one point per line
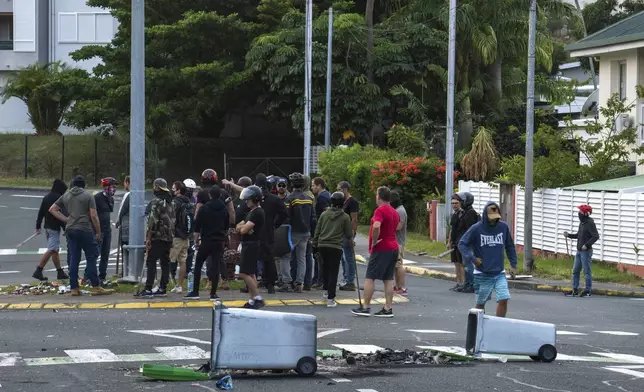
618 216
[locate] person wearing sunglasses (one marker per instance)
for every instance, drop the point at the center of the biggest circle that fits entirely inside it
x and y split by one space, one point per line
484 245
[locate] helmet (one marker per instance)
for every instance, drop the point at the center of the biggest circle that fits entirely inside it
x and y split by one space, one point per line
189 184
108 181
282 182
209 177
244 182
296 180
337 199
253 193
585 209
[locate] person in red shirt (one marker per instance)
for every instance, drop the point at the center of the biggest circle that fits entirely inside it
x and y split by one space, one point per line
383 248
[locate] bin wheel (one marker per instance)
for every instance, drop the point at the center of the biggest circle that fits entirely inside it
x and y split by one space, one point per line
535 358
547 353
306 367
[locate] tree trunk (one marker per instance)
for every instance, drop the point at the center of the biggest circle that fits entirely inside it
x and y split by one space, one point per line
465 125
496 70
369 20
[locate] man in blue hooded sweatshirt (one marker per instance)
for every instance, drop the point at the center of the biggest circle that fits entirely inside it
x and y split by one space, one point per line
483 245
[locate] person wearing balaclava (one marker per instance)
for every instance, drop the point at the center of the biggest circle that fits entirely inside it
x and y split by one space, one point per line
104 208
483 246
586 236
53 228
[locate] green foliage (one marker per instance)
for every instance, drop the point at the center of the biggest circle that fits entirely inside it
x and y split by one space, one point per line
406 141
48 90
603 13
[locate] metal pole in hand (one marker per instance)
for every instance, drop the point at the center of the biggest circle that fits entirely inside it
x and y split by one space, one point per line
329 74
137 145
451 86
529 148
307 86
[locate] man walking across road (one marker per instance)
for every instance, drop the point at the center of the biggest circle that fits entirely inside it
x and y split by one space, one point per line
83 232
52 230
400 286
351 208
484 245
586 236
383 248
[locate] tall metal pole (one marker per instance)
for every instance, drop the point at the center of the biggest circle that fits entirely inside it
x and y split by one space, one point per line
307 86
329 74
529 148
591 60
451 87
137 145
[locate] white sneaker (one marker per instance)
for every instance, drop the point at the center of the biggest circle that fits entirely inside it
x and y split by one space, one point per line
325 294
331 303
177 290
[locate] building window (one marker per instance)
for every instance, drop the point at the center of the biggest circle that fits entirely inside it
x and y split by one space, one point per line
622 80
6 31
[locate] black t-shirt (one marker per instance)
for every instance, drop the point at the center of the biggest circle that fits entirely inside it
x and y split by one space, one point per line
258 217
454 224
241 210
203 196
351 205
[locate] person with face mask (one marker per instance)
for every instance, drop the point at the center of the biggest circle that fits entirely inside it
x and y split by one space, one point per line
104 208
483 246
586 236
250 229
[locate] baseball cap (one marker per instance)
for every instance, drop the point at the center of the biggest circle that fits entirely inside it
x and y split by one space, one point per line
493 212
162 184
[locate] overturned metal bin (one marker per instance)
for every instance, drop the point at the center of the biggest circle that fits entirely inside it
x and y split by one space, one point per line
248 339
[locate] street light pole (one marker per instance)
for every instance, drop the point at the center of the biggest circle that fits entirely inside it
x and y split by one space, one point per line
137 145
451 87
329 75
529 148
307 86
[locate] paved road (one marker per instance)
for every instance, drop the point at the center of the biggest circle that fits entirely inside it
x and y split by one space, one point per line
19 210
101 350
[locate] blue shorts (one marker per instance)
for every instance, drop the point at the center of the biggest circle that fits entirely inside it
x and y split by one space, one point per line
485 284
53 240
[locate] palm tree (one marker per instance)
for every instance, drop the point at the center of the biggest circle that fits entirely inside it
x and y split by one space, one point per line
482 161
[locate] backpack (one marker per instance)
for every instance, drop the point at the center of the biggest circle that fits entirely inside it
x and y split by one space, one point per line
164 227
183 221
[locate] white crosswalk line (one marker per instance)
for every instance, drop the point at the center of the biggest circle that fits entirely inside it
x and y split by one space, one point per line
359 348
366 390
340 380
563 333
42 251
10 272
626 371
8 252
30 208
32 196
430 331
92 356
618 333
9 359
183 352
636 299
48 361
406 262
624 357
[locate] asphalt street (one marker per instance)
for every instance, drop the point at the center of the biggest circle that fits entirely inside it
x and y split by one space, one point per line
599 342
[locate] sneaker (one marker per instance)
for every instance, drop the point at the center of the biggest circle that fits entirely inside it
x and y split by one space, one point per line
384 313
362 312
402 292
62 275
585 294
306 287
468 289
76 293
145 294
214 297
458 287
298 288
573 293
191 295
38 275
259 303
177 290
331 303
160 293
100 291
318 286
286 288
325 294
348 287
248 305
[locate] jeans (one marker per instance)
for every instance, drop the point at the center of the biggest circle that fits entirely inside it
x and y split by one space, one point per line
469 274
78 240
311 271
299 242
348 262
105 244
159 250
583 259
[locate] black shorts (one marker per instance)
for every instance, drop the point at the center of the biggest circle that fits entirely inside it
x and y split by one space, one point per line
456 256
382 265
250 252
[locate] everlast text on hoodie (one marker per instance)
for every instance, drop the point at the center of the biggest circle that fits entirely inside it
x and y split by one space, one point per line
332 228
212 221
488 243
51 223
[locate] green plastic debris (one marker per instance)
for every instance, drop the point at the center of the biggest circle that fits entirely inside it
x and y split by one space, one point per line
329 353
172 373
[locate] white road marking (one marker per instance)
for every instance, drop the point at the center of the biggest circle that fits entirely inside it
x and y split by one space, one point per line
9 359
560 357
92 356
170 333
339 380
330 332
8 252
571 333
48 361
366 390
32 196
627 371
624 357
11 272
183 352
30 208
405 262
618 333
3 206
359 348
637 299
429 331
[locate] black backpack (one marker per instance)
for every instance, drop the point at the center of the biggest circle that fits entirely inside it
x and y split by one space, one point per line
183 223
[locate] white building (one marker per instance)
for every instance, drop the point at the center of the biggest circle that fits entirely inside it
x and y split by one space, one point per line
45 31
620 51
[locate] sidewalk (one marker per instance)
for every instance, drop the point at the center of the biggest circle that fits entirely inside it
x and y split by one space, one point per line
231 299
415 265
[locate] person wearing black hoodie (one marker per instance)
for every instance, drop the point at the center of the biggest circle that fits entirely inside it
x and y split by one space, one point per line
104 208
211 226
53 228
275 214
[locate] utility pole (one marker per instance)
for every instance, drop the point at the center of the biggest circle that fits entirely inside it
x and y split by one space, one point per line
451 86
329 75
529 148
136 246
307 85
591 60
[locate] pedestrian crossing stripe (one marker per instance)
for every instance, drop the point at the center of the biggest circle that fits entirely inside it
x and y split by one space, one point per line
627 370
40 251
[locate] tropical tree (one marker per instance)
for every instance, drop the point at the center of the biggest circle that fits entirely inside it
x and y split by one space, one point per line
49 91
481 163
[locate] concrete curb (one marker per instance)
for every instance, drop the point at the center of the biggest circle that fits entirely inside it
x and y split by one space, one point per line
180 304
515 284
24 188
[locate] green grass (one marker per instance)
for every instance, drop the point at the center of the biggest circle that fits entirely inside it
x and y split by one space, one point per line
555 268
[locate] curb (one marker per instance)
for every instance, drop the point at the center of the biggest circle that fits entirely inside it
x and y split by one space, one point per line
519 285
24 188
181 304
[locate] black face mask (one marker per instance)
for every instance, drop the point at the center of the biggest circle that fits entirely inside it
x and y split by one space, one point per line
583 217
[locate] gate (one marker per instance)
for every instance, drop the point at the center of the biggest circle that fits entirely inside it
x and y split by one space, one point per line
279 166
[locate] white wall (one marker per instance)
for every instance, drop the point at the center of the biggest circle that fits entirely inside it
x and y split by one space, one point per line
13 114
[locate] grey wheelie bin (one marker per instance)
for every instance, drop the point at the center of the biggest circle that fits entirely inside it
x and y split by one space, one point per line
263 340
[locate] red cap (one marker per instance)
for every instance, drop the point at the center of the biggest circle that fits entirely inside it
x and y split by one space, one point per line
585 209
